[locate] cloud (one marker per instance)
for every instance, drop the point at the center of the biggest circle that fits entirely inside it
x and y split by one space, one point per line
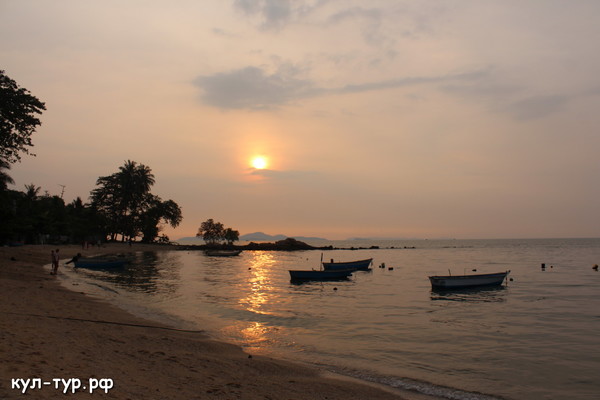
537 106
513 99
253 88
371 14
409 81
273 13
223 33
278 174
372 19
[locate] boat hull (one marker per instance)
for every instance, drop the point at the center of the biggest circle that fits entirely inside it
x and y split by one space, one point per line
223 253
312 275
360 265
467 281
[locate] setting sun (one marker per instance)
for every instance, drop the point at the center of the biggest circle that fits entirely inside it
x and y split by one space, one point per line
259 162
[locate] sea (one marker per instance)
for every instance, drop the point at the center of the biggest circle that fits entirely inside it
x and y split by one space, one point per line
535 337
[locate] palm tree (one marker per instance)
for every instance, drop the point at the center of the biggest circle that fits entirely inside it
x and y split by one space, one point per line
32 192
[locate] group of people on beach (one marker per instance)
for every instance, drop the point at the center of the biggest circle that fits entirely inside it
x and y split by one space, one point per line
56 259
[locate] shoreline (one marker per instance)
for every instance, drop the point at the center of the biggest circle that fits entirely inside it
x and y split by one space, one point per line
48 331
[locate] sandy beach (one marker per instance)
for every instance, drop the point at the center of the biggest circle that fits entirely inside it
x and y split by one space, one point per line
49 332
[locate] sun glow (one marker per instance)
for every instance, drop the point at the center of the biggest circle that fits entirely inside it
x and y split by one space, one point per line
259 162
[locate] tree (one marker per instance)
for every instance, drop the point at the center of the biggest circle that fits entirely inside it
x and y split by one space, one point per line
214 233
5 179
18 121
230 236
123 196
211 231
124 201
157 212
83 224
8 201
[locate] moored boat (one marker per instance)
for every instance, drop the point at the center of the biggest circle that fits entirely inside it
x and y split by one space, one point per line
319 275
467 281
359 265
222 253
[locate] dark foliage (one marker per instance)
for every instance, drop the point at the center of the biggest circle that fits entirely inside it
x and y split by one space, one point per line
18 120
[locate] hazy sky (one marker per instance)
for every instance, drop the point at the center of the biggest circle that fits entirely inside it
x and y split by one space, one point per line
387 118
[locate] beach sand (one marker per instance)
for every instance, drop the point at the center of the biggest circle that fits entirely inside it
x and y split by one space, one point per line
48 332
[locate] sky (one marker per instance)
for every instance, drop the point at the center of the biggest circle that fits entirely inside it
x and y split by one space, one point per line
387 118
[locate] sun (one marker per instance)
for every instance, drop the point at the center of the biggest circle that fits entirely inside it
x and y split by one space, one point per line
259 162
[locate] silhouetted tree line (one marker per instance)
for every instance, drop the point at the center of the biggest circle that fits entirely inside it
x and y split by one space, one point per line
121 205
121 208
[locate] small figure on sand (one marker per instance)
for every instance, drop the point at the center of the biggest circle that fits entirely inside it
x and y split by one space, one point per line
74 259
55 260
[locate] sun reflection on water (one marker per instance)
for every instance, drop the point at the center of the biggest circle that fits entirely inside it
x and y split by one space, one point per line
261 294
261 288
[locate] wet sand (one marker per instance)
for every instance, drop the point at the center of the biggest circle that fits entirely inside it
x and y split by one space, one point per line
48 332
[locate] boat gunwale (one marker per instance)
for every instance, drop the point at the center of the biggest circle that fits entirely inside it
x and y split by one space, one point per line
349 262
459 277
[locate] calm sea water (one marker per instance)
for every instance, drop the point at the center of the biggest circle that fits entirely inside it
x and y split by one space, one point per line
537 337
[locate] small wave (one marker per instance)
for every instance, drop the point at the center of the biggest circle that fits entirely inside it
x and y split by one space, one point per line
421 387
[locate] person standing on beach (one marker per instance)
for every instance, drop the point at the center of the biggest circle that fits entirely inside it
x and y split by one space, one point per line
52 261
55 260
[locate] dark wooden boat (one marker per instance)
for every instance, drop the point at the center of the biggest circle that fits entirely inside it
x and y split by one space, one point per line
223 253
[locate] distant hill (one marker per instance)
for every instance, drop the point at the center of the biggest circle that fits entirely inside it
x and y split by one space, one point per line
254 237
260 236
263 237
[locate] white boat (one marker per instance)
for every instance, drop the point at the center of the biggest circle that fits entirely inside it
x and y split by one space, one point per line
360 265
467 281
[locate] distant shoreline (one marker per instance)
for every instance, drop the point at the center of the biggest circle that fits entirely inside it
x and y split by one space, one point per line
288 244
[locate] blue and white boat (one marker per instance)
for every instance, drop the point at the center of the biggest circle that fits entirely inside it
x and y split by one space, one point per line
100 263
320 275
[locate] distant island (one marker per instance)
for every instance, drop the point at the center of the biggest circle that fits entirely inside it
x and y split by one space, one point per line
259 237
